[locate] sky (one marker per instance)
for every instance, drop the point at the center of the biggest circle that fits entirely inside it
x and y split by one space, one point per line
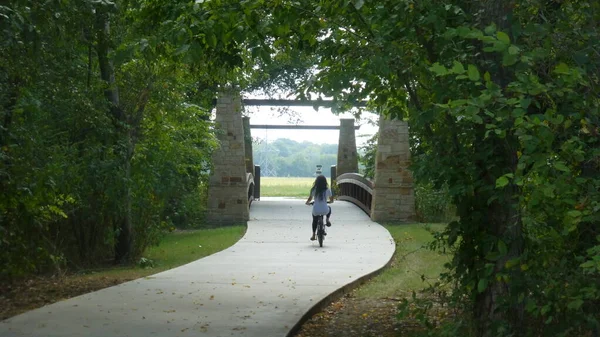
306 116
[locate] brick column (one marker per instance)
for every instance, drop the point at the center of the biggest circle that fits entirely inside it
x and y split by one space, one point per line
227 189
393 193
347 160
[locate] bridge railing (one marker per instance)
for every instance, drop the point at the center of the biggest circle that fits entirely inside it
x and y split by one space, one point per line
250 187
355 188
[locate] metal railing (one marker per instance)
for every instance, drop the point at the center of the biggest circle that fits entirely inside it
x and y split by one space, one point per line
250 187
355 188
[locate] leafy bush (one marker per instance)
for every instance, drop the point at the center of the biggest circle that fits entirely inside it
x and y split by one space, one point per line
433 205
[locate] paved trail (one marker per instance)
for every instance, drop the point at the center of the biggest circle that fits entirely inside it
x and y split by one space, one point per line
261 286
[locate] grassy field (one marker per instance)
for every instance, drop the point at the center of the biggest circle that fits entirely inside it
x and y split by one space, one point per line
178 248
411 261
285 186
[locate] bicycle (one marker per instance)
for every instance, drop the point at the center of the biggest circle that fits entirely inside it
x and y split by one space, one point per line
321 232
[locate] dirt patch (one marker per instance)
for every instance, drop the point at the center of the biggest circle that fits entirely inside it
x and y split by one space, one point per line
351 316
38 292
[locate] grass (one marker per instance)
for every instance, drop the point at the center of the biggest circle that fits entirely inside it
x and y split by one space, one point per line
176 249
285 186
411 262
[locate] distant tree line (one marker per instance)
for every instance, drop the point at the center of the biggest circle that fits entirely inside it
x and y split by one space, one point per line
288 158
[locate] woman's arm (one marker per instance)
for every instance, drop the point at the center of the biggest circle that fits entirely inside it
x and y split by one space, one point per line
309 200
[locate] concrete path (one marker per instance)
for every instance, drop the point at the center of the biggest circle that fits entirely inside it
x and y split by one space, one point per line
261 286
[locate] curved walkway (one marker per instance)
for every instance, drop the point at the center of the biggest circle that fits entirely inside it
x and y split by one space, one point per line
261 286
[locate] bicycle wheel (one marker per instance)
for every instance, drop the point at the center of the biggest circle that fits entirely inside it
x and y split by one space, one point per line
320 232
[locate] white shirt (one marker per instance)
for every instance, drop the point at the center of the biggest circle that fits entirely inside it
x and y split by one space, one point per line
320 207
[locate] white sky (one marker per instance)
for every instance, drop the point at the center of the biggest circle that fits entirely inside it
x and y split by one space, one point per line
306 116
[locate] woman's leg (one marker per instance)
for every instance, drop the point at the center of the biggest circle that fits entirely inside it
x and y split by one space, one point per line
314 226
328 215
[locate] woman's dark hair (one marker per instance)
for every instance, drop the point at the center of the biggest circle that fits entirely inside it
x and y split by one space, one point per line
320 186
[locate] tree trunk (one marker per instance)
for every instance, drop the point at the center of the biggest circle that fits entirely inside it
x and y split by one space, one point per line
503 217
124 243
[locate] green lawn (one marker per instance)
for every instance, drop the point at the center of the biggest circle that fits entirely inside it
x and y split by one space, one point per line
176 249
411 261
285 186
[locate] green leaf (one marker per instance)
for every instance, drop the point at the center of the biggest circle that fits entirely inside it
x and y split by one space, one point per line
524 103
487 77
458 68
359 3
588 264
482 285
473 73
561 68
502 36
501 182
438 69
212 40
502 248
559 165
490 29
511 263
463 31
182 49
509 59
575 304
513 50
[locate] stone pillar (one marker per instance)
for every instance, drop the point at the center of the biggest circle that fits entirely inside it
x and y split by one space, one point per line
248 145
227 189
347 160
393 192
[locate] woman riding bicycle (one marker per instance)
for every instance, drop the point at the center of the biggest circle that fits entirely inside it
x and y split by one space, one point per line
320 192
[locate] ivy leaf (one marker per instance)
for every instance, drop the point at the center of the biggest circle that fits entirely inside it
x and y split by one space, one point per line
458 68
524 103
511 263
561 166
359 3
575 304
561 68
487 77
482 285
501 182
473 73
502 36
513 50
502 248
439 69
490 29
509 59
182 49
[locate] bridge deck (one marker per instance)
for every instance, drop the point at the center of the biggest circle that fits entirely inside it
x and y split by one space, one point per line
261 286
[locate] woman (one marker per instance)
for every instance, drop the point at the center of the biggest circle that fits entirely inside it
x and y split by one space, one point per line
320 192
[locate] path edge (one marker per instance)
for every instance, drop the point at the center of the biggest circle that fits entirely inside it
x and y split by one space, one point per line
340 292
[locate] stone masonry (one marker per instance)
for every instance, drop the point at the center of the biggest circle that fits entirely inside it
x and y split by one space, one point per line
393 192
347 159
227 190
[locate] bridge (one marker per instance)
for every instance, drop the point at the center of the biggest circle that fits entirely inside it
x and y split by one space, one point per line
235 180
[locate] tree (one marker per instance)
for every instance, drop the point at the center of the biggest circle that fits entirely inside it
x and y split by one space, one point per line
94 121
498 109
